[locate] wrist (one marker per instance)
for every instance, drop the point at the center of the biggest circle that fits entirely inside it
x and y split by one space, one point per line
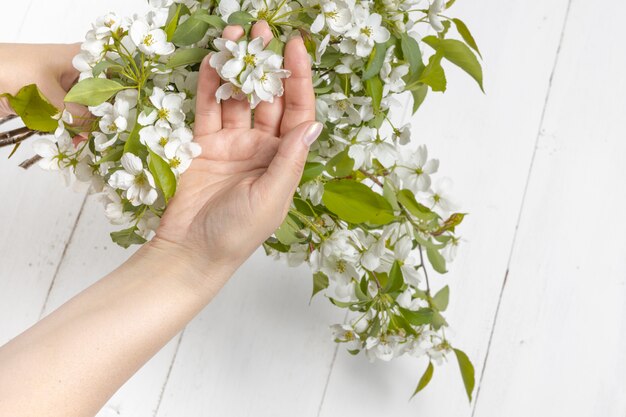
184 267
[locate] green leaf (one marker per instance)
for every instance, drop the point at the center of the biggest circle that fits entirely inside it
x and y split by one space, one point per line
15 148
402 323
418 318
419 95
240 18
390 195
289 232
163 175
412 53
320 282
450 3
395 281
360 291
340 165
102 66
184 57
343 304
434 75
407 199
425 379
330 58
441 299
374 89
191 30
273 243
311 171
127 237
356 203
438 320
133 143
276 45
34 109
113 155
376 61
436 260
93 91
465 33
450 224
459 54
467 372
215 21
172 24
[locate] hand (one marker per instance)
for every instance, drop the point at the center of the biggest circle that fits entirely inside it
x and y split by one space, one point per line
238 191
48 66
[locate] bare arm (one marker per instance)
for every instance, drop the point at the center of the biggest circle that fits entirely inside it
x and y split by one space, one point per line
73 360
234 195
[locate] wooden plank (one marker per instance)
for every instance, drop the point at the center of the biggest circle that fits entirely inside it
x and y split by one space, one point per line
89 256
257 341
12 20
37 212
32 258
560 338
485 144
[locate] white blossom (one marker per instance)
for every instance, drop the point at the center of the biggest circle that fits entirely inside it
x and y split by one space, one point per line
137 181
415 169
436 7
150 41
365 32
334 16
168 109
343 333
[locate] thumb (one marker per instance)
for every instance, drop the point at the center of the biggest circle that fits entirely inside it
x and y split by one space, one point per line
284 172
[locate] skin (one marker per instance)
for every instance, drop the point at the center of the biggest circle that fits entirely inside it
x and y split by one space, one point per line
47 65
228 202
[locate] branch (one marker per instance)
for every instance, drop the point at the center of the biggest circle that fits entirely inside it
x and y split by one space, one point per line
15 132
30 162
5 119
371 177
16 139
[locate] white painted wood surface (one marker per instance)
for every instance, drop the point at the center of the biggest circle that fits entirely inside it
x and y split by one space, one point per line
529 159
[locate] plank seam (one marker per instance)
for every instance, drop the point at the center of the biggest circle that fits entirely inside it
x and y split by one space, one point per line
58 268
19 32
330 372
169 372
522 204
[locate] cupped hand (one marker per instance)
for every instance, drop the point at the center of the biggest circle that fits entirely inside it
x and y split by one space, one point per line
238 191
48 66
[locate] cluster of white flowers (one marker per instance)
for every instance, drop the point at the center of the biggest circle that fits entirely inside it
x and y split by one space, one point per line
249 71
368 215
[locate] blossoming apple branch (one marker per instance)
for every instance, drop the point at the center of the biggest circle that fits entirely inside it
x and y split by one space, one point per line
370 215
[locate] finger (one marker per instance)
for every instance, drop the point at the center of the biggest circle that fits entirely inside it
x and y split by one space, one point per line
69 74
267 115
283 174
208 110
80 115
235 113
299 96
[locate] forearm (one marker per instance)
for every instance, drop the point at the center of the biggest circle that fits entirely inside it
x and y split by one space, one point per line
72 361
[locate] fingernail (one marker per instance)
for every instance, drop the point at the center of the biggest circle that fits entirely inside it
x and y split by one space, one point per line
312 133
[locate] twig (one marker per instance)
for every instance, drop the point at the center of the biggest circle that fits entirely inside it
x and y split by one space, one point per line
424 267
5 119
30 162
15 132
16 139
371 177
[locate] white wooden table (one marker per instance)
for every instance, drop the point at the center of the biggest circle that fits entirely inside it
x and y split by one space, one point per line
538 290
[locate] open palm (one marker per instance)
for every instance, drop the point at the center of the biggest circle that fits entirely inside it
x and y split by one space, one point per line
238 191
